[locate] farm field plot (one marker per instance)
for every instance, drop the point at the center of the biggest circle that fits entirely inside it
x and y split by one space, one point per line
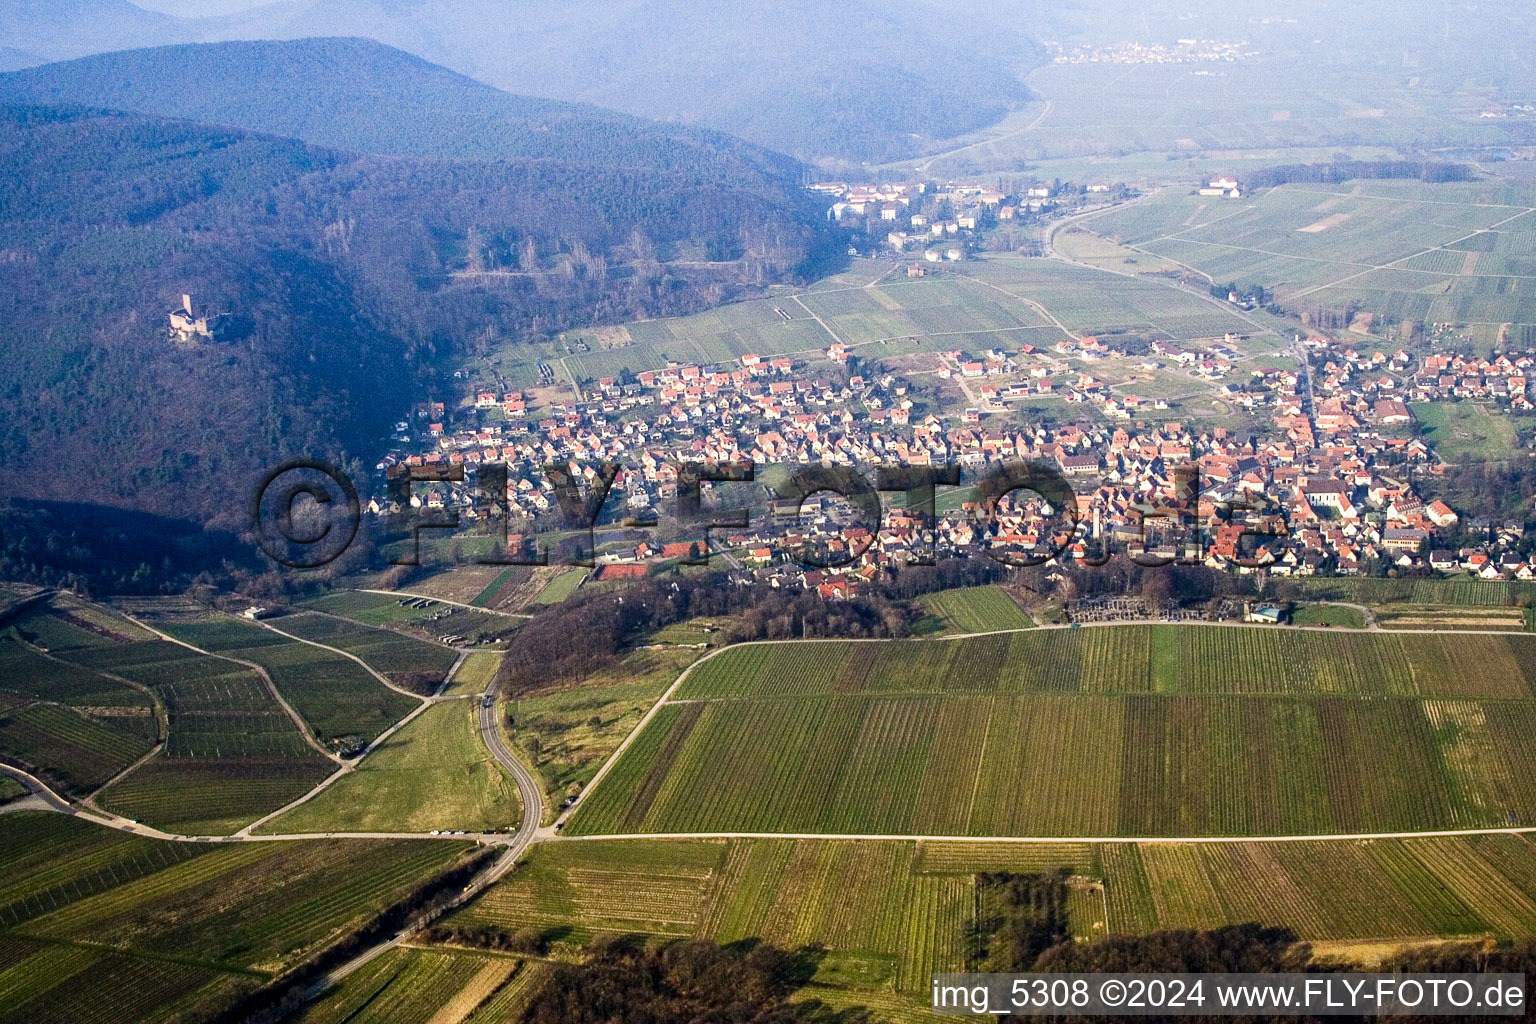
1429 616
40 879
866 896
261 906
474 674
232 753
948 309
1467 431
412 664
502 586
86 912
1095 250
455 582
566 734
435 620
1459 593
27 674
369 609
885 919
1458 251
1132 731
1337 615
1192 659
571 892
414 986
336 696
1476 885
976 609
719 335
890 913
70 751
202 796
432 774
561 587
43 983
217 709
1079 297
514 997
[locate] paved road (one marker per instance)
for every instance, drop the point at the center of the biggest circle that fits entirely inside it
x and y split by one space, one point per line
532 798
922 168
529 792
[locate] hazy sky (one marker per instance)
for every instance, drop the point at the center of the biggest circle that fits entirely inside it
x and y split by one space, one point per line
193 8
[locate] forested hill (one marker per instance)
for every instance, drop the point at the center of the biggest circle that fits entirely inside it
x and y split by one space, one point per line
360 95
349 276
862 80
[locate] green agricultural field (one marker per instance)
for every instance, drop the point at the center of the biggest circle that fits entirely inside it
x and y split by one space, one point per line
412 986
1100 731
72 752
10 789
1095 250
975 610
475 673
335 695
1079 298
413 664
884 917
44 983
1128 659
567 734
1429 616
437 619
1448 252
890 913
561 587
217 708
370 609
505 582
1461 431
1465 592
74 944
233 753
27 674
1336 615
1000 300
433 774
1470 886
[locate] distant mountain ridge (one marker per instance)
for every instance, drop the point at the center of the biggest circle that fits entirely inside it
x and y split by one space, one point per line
360 95
59 29
865 80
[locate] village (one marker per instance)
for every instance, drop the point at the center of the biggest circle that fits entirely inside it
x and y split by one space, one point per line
948 222
1336 485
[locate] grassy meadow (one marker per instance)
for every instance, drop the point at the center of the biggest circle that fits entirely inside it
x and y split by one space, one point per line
432 774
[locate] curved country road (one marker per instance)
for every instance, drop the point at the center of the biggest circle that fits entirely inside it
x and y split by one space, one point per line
532 799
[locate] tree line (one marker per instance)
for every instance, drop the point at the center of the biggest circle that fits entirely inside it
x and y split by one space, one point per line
1432 171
